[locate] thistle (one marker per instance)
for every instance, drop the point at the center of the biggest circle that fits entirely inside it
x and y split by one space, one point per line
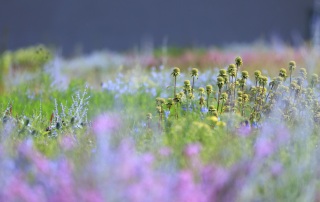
244 77
201 91
194 73
224 75
149 118
292 66
213 111
186 87
209 91
160 101
201 101
223 98
177 100
175 73
303 73
314 80
245 99
160 112
169 103
220 82
283 73
238 62
257 74
232 73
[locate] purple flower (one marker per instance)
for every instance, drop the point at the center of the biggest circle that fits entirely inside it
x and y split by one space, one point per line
67 142
192 149
165 151
106 123
244 130
276 169
166 113
264 147
204 110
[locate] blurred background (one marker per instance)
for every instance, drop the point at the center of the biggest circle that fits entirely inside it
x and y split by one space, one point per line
86 25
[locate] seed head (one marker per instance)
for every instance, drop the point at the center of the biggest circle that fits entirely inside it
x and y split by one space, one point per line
232 70
220 79
244 74
149 116
303 73
212 108
194 72
169 102
314 79
238 61
292 65
190 96
224 96
245 97
209 89
201 101
222 72
160 101
283 73
257 74
201 90
175 72
177 98
159 109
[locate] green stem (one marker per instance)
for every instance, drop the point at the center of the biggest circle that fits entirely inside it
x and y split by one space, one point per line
175 84
219 99
192 85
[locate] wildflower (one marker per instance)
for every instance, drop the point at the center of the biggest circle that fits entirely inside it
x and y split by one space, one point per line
283 73
303 73
106 123
169 103
264 147
292 66
204 110
149 116
238 61
175 73
192 149
165 151
314 80
194 72
257 75
232 70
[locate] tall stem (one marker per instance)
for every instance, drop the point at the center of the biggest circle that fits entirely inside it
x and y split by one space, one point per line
221 107
192 85
290 76
175 84
219 99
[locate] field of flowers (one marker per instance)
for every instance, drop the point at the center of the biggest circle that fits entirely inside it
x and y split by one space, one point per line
234 124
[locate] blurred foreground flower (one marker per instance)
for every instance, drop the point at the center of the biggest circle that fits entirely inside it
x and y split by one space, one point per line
106 123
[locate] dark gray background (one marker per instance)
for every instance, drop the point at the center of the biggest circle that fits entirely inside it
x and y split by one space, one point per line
123 24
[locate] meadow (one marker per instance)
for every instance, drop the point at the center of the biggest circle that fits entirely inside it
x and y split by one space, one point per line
233 124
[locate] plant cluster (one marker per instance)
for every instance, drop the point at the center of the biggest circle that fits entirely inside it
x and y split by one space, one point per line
292 96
